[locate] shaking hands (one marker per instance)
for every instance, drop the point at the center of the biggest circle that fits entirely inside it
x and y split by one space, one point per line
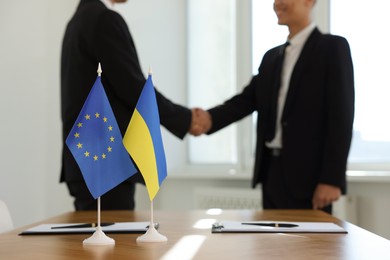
201 122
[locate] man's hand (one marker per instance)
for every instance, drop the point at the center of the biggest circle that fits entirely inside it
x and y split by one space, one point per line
201 122
324 195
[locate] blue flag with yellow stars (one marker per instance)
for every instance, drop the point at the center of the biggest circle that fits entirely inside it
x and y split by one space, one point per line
96 144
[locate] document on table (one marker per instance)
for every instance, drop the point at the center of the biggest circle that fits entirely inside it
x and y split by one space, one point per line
275 227
83 228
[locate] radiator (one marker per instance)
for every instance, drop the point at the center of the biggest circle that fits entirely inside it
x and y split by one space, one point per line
346 208
227 198
235 198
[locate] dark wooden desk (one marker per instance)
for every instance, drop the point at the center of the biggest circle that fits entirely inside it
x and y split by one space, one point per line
184 238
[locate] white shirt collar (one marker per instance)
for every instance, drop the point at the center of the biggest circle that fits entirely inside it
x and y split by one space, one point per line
108 4
301 37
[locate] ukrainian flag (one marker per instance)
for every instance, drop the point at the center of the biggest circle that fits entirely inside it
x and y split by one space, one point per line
143 140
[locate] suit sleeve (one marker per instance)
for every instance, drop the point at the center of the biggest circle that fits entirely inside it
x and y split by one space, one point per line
174 117
235 108
340 115
121 68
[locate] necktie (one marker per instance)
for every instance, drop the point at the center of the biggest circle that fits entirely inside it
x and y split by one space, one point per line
270 132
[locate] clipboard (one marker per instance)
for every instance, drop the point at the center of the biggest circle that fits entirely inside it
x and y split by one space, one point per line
275 227
68 228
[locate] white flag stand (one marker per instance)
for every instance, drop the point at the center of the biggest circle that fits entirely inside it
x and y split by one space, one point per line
152 235
99 238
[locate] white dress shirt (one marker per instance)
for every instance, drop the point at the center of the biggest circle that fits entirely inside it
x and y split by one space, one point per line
292 52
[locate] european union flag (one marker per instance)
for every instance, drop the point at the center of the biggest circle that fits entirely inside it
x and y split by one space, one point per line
143 140
96 143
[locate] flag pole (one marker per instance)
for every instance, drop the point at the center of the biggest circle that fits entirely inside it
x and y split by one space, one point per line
151 212
98 212
131 139
99 237
152 235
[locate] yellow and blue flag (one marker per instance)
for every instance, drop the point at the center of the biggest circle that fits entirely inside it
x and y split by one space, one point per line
143 140
95 142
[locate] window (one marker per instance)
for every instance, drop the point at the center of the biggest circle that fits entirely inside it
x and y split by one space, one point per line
368 39
212 74
266 33
214 64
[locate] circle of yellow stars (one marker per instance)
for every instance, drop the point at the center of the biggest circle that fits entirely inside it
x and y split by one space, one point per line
87 153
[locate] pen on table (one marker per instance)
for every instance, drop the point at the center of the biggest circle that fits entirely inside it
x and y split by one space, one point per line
276 225
86 225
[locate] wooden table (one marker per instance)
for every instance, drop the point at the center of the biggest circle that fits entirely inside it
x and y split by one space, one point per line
189 237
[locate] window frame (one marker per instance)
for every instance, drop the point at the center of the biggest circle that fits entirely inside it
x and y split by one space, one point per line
246 128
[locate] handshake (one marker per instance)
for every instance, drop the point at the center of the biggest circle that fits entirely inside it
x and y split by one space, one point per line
201 122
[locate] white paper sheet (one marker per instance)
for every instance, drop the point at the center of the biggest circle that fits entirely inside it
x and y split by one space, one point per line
301 227
119 227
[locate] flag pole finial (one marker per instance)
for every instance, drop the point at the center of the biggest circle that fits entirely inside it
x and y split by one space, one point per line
99 70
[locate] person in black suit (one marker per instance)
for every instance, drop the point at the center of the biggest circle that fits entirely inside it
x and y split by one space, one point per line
304 95
96 34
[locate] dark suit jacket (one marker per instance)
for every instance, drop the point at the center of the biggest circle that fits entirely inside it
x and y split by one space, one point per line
317 120
98 34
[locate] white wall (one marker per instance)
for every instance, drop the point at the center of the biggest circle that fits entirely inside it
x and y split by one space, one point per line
30 132
30 128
